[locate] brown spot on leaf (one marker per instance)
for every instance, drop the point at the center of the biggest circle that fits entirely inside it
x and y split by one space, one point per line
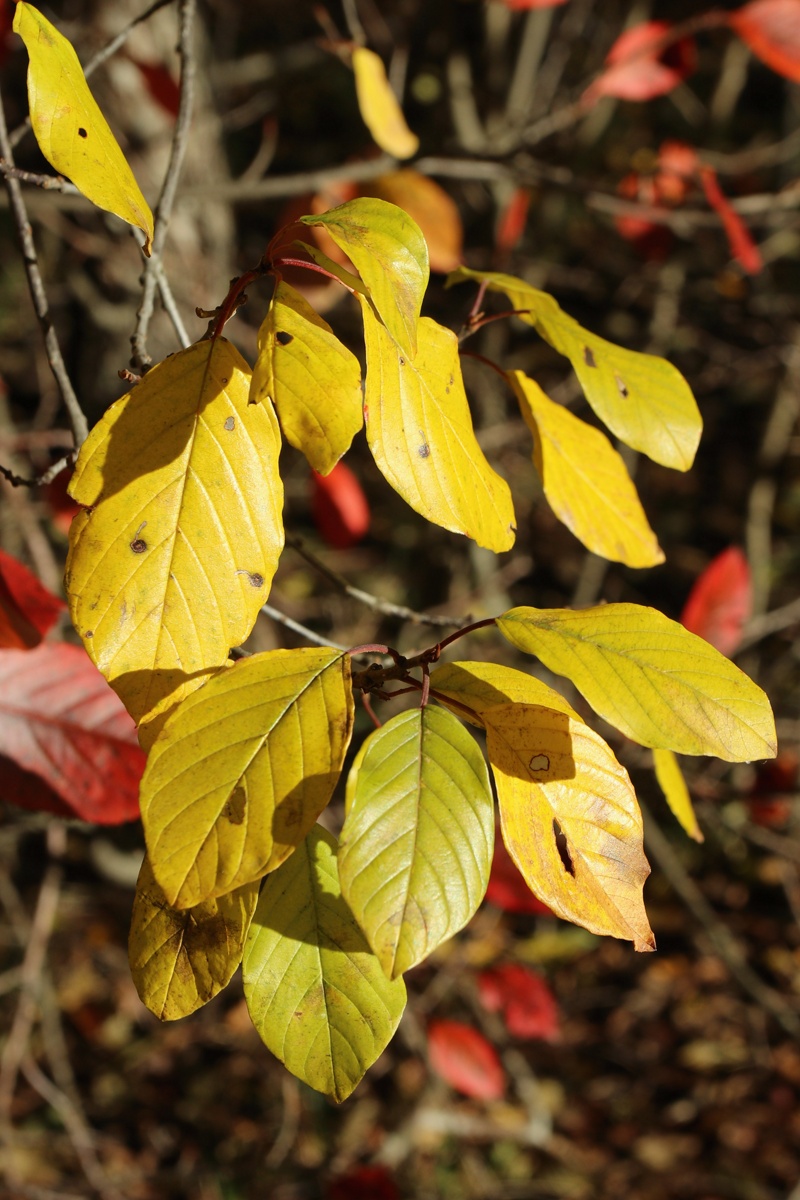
138 545
255 579
402 362
621 387
423 449
563 848
82 133
283 338
230 423
89 633
539 762
234 809
588 356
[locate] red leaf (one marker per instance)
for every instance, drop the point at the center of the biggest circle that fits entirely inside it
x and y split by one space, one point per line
61 721
676 158
528 1006
743 248
770 799
513 219
160 84
465 1060
339 507
27 609
27 790
641 65
771 28
364 1183
507 889
721 601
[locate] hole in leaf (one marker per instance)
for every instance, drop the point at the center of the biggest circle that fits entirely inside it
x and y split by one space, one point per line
539 762
588 356
82 133
230 423
563 848
622 387
284 338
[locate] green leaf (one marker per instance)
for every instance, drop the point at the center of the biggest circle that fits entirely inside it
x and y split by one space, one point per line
570 819
585 481
650 677
388 250
311 378
72 133
676 793
643 399
314 989
181 959
419 430
242 770
173 558
416 847
484 685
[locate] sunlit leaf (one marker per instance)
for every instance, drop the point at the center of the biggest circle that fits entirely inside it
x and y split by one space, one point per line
311 378
416 846
242 770
676 793
72 133
585 480
431 207
419 430
314 989
643 399
482 685
27 609
466 1060
771 28
650 677
388 250
379 106
721 601
172 559
570 819
180 959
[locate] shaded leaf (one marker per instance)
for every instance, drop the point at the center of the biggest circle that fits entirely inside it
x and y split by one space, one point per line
339 507
676 793
27 609
311 378
466 1060
416 846
639 66
484 685
181 959
60 720
419 430
430 206
242 770
721 601
72 133
642 399
570 819
650 677
27 790
172 559
771 28
379 107
314 989
389 252
528 1006
585 480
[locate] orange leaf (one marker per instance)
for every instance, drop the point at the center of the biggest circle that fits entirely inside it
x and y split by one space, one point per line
771 28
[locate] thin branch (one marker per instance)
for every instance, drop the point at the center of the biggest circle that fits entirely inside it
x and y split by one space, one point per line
19 212
140 359
296 627
46 477
48 183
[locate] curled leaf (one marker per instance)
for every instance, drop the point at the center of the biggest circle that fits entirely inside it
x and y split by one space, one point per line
379 106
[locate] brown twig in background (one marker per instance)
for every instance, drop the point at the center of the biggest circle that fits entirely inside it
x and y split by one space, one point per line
48 183
46 477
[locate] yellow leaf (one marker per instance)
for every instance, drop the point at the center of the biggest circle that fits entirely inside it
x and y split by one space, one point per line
311 378
643 399
72 133
389 252
650 677
676 793
181 959
314 989
419 430
585 481
434 211
482 685
242 770
570 819
174 555
379 108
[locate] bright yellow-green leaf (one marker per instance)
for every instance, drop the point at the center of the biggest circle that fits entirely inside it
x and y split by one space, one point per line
174 555
72 133
419 430
311 378
482 685
181 959
387 248
314 989
658 683
676 793
570 819
242 770
643 399
416 847
379 107
585 481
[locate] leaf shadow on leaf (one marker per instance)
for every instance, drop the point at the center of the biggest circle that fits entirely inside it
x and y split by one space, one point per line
296 814
536 742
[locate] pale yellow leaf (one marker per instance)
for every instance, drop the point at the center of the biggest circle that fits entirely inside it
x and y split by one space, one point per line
379 106
72 133
242 770
676 793
181 959
585 480
482 685
174 555
419 430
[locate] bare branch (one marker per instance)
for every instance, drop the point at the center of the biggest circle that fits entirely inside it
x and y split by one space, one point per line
47 476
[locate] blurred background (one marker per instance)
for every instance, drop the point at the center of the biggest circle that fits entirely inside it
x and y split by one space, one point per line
659 205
